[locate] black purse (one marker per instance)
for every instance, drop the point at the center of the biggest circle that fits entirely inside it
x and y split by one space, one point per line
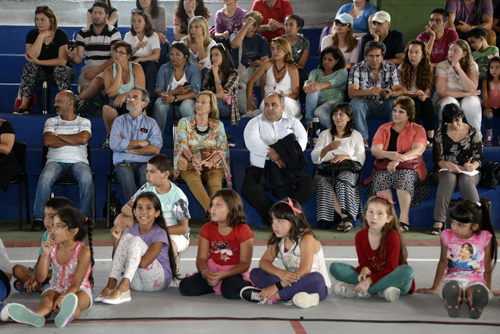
490 175
331 169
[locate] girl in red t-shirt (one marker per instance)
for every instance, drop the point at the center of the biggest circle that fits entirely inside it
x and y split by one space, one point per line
381 255
224 251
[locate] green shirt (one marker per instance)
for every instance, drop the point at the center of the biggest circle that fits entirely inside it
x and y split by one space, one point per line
481 58
337 79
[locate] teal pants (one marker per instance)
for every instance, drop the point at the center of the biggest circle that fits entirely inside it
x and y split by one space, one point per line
400 278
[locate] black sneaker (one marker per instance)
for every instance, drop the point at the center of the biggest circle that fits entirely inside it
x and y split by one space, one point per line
38 225
231 142
82 108
250 294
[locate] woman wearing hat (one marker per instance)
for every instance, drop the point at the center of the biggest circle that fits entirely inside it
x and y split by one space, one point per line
342 36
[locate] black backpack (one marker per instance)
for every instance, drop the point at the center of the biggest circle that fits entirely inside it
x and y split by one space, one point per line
115 208
490 175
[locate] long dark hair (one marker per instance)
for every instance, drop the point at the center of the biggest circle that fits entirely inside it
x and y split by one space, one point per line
227 66
148 29
160 222
469 212
300 227
200 10
424 68
75 219
233 201
154 7
344 107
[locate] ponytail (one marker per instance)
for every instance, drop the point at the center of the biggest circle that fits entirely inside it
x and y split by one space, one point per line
487 224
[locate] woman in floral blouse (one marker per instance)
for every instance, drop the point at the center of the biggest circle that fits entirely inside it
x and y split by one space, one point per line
201 150
458 149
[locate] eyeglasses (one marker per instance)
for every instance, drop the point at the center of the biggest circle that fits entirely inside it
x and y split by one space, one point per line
340 23
59 101
120 52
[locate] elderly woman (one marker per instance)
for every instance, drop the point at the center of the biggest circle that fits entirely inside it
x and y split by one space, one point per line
47 56
119 79
398 146
9 167
342 191
326 86
361 11
177 83
201 151
457 149
343 37
416 78
456 82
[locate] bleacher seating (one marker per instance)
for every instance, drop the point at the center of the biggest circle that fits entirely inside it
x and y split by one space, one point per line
29 130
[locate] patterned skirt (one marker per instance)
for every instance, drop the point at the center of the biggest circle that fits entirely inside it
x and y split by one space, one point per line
404 179
345 186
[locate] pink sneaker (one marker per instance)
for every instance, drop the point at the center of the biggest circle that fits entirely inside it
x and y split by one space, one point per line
488 139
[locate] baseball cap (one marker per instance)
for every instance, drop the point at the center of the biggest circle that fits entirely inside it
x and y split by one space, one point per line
381 17
344 18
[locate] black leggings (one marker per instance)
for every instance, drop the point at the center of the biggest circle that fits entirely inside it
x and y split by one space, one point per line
196 285
425 110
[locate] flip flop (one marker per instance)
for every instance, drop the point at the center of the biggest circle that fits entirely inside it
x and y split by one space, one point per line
21 286
479 301
451 298
405 227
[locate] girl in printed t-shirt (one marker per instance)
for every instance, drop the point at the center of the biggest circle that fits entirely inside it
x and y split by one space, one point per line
224 251
468 255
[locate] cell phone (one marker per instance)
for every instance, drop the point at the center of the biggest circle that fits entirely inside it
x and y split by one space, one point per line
187 83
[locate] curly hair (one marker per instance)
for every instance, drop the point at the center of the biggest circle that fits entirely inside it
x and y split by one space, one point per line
467 60
200 10
285 46
424 68
148 29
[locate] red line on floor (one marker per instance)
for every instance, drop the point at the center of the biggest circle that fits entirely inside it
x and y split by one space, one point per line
297 327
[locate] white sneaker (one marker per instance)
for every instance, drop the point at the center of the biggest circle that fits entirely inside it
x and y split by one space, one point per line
390 294
345 290
4 314
306 300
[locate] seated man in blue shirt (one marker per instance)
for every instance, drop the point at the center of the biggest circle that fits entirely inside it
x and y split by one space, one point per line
134 138
392 39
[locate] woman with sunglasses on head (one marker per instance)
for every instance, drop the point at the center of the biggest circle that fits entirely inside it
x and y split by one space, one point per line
184 11
222 79
119 79
47 56
145 47
113 14
158 20
342 36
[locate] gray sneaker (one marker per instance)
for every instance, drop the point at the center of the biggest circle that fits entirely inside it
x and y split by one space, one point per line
306 300
345 290
390 294
82 108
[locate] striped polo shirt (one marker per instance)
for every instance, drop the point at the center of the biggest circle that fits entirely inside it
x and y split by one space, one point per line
97 47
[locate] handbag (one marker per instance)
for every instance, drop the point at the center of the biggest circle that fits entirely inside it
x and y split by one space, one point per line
330 169
490 175
381 164
203 153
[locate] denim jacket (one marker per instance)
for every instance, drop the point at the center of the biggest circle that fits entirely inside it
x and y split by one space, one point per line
166 74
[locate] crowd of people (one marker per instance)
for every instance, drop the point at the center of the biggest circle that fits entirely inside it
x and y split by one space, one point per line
365 70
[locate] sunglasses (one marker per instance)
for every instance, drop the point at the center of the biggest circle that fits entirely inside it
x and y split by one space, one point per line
340 23
138 11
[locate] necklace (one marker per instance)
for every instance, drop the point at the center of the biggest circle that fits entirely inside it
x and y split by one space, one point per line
278 71
278 75
201 133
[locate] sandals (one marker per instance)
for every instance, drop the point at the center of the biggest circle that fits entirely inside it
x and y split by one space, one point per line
451 293
348 224
341 226
19 287
405 227
437 230
478 302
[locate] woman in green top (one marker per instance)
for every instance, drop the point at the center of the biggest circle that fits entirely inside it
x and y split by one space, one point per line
326 86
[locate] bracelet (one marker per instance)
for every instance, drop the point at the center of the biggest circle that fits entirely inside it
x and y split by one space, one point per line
190 159
203 273
279 286
61 296
218 83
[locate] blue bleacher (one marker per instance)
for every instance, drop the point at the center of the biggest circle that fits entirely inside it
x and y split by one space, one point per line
29 130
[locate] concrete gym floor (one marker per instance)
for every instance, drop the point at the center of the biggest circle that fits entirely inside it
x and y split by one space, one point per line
174 313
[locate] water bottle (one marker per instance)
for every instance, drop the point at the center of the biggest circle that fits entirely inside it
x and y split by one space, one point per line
315 131
45 98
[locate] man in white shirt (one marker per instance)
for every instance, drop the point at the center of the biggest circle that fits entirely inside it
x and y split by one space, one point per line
260 133
66 136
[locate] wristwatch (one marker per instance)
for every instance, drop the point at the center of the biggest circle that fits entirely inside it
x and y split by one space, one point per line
175 99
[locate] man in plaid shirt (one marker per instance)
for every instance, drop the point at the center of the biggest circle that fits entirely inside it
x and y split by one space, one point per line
370 97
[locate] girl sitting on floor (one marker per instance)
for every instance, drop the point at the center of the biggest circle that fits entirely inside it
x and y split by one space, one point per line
468 255
142 256
69 290
305 278
381 255
224 251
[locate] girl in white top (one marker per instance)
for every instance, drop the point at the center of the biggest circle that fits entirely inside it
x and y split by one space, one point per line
199 43
145 47
305 278
342 36
281 77
456 82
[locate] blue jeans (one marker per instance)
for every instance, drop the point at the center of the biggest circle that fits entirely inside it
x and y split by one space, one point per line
130 175
54 171
489 121
363 109
401 277
310 283
162 111
150 69
315 107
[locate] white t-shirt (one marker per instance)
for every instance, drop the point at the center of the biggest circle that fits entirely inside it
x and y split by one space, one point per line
453 82
350 57
69 153
153 43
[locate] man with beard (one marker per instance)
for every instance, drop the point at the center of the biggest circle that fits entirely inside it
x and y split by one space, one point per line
438 36
95 42
66 136
134 138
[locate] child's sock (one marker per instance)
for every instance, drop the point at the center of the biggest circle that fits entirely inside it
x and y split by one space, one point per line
273 300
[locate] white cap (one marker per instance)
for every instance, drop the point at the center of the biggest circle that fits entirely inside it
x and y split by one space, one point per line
381 17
